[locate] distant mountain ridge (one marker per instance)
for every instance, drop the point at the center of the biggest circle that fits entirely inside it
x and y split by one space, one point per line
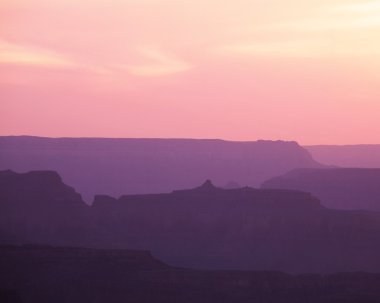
205 227
138 166
341 188
355 156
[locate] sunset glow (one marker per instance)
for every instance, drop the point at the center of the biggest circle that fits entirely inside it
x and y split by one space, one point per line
241 70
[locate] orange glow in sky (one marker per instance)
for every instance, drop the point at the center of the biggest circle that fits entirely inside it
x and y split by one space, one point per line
304 70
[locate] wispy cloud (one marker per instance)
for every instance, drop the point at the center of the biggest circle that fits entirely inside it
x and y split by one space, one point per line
307 48
336 17
11 53
327 23
331 30
160 63
291 48
360 7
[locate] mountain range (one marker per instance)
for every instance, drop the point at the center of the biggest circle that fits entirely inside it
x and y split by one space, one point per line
358 156
139 166
204 228
341 188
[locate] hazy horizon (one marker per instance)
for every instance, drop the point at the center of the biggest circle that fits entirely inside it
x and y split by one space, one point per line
304 71
186 138
189 151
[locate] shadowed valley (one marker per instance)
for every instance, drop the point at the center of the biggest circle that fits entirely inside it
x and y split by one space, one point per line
56 274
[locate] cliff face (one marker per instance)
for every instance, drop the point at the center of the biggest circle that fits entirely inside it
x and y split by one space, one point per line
56 274
41 187
205 227
38 207
129 166
341 188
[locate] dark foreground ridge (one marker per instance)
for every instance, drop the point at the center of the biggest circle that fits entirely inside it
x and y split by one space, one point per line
205 227
341 188
46 274
129 166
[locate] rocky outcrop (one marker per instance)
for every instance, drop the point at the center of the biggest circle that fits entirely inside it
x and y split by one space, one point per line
340 188
38 207
129 166
39 187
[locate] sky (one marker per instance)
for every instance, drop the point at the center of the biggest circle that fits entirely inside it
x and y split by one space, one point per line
303 70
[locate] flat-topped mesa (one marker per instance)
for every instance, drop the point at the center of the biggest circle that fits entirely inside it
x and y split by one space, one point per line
38 177
38 207
44 187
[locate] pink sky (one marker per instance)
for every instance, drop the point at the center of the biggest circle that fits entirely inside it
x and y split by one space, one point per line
304 70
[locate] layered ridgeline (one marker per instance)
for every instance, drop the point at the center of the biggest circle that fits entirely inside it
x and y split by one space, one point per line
130 166
205 227
362 155
341 188
61 275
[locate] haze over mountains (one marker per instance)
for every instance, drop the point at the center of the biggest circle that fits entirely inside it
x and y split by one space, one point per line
362 155
106 198
341 188
205 227
131 166
151 195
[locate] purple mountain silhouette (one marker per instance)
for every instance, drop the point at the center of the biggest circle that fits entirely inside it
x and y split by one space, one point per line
205 227
342 188
361 156
129 166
